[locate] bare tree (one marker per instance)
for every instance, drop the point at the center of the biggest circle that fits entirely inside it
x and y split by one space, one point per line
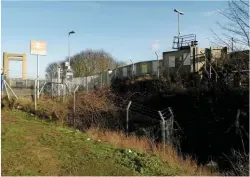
51 70
236 30
235 36
86 63
91 62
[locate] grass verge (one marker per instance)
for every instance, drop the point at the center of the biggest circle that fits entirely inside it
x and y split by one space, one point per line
148 159
35 147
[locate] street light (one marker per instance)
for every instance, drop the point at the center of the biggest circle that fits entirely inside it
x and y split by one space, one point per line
68 71
71 32
179 13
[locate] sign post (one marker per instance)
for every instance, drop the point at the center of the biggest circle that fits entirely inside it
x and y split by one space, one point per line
37 75
38 48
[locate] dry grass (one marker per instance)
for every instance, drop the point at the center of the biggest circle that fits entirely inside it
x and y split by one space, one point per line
119 140
93 101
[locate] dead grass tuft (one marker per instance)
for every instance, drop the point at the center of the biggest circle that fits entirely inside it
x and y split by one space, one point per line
119 140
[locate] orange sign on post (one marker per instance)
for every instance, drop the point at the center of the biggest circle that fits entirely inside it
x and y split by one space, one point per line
38 48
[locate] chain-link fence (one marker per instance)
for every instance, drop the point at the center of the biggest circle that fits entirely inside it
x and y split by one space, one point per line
59 87
20 87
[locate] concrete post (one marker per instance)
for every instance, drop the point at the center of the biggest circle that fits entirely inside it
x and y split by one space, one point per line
162 130
127 116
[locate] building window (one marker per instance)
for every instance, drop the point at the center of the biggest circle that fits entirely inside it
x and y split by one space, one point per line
171 61
186 58
144 68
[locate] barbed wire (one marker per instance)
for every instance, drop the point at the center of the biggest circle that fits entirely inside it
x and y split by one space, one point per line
145 114
147 109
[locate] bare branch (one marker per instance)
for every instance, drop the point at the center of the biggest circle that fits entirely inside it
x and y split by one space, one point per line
238 25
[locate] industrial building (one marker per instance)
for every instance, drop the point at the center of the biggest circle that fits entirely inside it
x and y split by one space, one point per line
182 61
139 69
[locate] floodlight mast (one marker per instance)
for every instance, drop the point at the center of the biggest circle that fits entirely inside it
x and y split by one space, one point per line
179 13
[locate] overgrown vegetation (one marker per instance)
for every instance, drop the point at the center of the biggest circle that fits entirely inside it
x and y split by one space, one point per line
206 116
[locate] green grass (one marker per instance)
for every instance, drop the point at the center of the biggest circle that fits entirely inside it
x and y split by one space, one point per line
35 147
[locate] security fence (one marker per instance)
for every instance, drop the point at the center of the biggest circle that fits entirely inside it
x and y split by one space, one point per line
19 86
59 87
21 83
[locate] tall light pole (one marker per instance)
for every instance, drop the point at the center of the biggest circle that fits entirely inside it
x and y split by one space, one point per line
71 32
69 69
179 13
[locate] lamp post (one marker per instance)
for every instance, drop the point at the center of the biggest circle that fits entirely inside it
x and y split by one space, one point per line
71 32
179 13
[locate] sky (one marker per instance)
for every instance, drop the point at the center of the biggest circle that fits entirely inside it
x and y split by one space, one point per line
125 29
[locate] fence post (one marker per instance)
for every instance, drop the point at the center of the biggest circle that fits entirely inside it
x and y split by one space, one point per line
39 92
35 95
127 116
75 99
52 88
163 130
6 90
87 87
172 120
101 80
74 105
58 81
168 131
6 84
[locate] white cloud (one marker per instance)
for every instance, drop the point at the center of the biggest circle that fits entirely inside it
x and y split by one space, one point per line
155 46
